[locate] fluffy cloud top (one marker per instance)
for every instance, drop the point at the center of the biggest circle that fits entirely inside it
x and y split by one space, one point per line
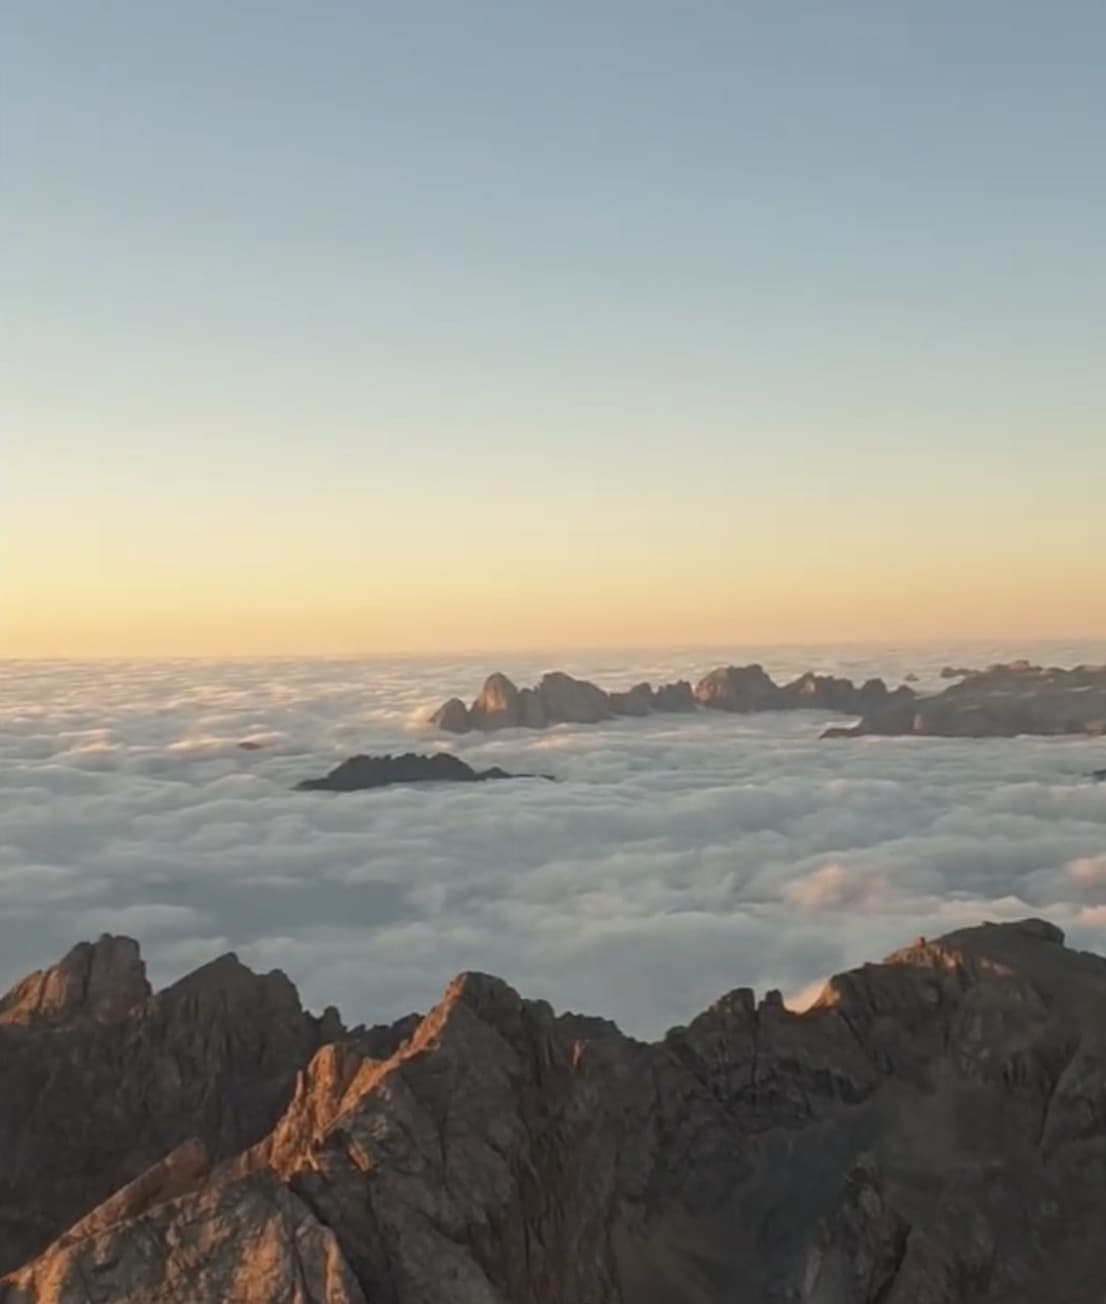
676 858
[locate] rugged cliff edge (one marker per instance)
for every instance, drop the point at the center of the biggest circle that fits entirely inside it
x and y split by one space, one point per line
560 699
932 1129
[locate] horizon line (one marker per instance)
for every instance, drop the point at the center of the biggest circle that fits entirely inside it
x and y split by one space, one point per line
578 649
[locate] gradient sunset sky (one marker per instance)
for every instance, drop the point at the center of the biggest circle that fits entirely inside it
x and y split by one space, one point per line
351 327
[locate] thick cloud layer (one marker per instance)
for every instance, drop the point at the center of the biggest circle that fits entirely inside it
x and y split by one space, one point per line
678 857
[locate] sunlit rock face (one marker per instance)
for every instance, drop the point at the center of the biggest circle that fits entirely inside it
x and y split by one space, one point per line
497 706
97 980
929 1129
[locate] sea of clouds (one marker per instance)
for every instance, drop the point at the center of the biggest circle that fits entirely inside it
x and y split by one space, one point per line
677 857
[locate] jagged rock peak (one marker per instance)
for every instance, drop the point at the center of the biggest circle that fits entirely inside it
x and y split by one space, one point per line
227 979
560 698
99 1079
99 979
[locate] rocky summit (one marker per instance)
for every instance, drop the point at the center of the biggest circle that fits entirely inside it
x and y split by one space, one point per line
1002 701
560 699
932 1130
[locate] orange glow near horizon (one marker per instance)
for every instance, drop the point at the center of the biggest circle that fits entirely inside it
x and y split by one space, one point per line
267 612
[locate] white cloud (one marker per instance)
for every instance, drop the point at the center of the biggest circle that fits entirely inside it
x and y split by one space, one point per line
831 885
677 858
1088 869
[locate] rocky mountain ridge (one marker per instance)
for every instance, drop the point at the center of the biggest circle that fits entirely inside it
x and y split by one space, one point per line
932 1129
1002 701
559 698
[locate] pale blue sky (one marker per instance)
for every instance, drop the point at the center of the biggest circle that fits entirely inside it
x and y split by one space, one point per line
397 311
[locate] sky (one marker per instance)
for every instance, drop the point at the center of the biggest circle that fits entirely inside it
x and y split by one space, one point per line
361 328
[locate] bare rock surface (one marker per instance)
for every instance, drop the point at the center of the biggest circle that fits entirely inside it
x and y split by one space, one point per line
932 1129
250 1242
1000 702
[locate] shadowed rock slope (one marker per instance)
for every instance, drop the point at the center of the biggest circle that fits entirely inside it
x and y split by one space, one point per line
560 699
932 1130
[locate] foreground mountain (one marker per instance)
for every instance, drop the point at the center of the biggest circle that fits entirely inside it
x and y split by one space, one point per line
360 772
932 1130
999 702
99 1078
560 699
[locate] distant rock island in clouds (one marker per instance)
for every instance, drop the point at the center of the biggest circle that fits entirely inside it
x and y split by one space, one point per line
559 698
1002 701
360 772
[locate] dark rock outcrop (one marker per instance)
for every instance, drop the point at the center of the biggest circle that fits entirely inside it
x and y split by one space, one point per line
360 772
561 699
931 1129
1001 702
